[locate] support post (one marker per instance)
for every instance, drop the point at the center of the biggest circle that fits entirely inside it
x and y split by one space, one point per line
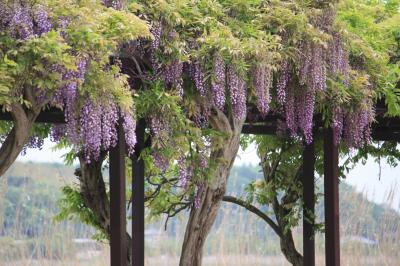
118 202
309 205
331 191
138 198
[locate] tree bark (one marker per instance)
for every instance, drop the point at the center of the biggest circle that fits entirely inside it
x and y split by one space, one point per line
281 211
94 196
256 211
93 191
202 218
18 136
289 249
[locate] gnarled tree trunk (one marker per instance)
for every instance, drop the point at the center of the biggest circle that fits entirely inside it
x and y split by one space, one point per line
289 250
93 191
202 218
282 209
18 136
94 196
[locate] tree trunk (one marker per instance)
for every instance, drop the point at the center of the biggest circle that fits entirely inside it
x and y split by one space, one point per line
282 209
93 191
202 218
94 195
18 136
288 249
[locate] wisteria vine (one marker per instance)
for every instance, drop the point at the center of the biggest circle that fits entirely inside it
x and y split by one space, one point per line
91 124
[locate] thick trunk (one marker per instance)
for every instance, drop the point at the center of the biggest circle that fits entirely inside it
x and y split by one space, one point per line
281 211
202 218
18 136
94 195
289 249
93 191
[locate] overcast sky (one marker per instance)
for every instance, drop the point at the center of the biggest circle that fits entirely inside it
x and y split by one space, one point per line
364 177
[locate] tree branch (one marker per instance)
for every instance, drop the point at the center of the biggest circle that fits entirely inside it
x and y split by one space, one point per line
254 210
219 121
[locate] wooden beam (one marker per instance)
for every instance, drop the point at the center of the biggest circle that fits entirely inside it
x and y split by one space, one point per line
331 190
384 129
309 205
261 129
51 115
138 198
118 202
389 134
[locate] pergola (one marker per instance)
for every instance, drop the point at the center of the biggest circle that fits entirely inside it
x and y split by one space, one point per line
386 129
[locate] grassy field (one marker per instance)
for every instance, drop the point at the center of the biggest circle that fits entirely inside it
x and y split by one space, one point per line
239 247
370 233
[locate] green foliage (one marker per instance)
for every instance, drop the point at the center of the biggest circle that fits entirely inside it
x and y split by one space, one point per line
372 29
94 32
72 208
243 33
281 164
232 29
286 156
30 60
248 32
182 138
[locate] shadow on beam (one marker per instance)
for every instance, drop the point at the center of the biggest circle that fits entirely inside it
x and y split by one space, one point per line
51 115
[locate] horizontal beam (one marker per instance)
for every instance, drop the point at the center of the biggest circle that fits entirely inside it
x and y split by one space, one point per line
384 129
378 134
51 115
383 135
259 129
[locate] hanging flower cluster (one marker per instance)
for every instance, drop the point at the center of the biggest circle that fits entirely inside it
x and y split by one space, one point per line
92 116
218 83
262 82
25 22
160 134
94 125
298 85
237 92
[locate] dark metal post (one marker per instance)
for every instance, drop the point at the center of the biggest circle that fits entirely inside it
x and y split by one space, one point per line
118 202
309 203
331 190
138 199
